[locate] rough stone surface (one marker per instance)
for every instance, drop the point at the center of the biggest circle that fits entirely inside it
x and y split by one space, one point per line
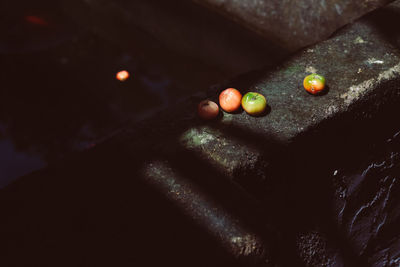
314 251
292 23
362 71
357 64
366 204
301 138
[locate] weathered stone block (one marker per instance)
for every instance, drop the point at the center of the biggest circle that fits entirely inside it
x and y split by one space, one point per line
356 63
362 69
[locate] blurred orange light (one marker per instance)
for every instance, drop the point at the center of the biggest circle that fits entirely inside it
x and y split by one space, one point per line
122 75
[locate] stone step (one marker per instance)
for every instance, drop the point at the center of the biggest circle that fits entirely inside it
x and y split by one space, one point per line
310 134
278 162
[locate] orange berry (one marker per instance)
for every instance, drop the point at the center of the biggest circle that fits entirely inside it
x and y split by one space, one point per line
122 75
314 83
230 99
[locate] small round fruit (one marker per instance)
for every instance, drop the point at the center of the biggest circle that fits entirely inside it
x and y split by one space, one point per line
207 109
254 103
122 75
229 99
314 83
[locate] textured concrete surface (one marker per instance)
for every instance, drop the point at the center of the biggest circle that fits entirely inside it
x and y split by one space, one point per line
361 64
281 166
292 23
357 63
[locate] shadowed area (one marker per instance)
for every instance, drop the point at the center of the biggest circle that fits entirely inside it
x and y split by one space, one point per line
58 89
96 213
